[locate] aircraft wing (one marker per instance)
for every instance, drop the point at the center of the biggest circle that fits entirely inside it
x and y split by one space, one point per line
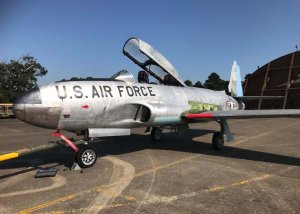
240 114
258 97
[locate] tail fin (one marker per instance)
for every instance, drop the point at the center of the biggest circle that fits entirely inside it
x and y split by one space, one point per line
235 83
235 86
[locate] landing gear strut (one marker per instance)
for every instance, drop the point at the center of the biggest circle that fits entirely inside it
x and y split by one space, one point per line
218 137
85 156
156 134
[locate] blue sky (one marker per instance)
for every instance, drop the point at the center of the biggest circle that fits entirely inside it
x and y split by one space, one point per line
85 38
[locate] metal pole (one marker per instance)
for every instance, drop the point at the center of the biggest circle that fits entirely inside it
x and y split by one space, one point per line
288 84
264 85
245 86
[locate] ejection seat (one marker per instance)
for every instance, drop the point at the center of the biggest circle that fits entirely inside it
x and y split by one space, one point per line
143 77
169 80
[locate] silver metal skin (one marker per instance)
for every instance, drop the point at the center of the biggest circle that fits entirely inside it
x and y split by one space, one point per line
31 109
124 75
78 106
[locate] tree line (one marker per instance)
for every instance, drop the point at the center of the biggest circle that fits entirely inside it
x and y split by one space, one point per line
213 82
19 76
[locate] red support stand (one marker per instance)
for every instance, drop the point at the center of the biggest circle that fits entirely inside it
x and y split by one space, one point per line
70 143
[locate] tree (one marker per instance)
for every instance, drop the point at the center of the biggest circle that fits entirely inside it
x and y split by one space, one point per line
198 84
214 82
19 76
188 82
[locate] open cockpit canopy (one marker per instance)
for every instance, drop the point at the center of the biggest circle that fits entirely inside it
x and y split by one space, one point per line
152 61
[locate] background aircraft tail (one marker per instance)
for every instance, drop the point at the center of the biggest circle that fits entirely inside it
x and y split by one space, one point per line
235 83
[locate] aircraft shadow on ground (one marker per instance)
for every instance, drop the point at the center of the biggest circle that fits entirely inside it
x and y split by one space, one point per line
135 142
186 143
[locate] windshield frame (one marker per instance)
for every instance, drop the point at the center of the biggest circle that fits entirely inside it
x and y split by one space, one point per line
153 57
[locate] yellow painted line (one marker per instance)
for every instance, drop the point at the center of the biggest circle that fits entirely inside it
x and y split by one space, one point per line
213 189
9 156
116 205
240 183
69 197
264 134
51 203
56 212
109 206
111 193
168 199
151 170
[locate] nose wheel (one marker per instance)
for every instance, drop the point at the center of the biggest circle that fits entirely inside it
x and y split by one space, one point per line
86 157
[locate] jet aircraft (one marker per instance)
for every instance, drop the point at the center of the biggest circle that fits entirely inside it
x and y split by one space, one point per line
112 106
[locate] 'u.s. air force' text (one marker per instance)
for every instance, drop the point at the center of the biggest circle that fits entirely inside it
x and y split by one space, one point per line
102 91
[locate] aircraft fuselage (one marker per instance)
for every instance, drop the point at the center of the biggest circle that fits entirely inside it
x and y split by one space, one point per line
79 105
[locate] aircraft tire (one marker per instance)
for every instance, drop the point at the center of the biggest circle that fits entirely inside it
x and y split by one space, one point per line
218 141
156 134
86 157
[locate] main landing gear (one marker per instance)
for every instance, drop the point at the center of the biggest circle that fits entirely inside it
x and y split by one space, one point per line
218 141
218 137
156 134
85 156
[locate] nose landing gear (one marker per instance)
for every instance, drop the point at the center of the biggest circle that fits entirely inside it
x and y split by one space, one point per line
85 156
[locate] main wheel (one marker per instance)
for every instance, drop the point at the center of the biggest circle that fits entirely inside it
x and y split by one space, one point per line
86 157
156 134
218 141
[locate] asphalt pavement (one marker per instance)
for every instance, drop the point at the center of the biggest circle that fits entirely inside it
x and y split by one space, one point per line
258 173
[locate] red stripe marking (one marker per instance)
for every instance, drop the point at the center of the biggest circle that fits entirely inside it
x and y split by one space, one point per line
69 142
203 115
85 106
56 134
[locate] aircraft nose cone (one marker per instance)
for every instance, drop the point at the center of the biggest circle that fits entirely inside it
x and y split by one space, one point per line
25 101
19 111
